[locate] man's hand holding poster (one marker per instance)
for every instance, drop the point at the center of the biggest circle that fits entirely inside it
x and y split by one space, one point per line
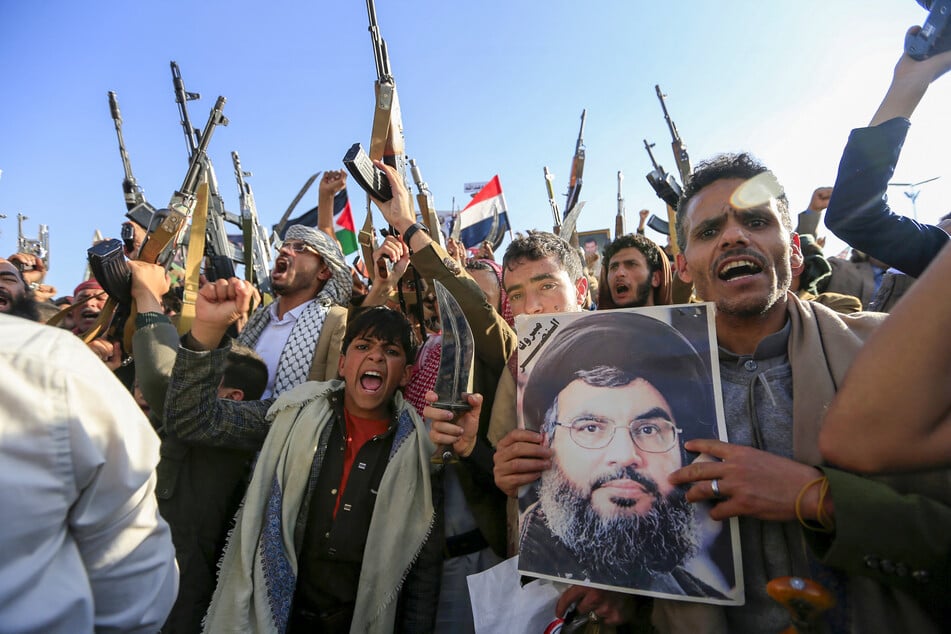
615 394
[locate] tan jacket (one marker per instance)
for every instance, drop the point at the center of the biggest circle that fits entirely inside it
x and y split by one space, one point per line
876 518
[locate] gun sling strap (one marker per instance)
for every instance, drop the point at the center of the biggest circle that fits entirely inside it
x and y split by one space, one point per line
196 251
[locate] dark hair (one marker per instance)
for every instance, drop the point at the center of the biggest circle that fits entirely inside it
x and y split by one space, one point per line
538 245
245 370
380 322
724 166
632 240
613 348
477 265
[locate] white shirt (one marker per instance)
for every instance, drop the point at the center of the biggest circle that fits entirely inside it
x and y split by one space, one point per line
83 544
271 343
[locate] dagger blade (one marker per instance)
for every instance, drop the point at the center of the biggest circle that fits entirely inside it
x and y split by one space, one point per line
456 360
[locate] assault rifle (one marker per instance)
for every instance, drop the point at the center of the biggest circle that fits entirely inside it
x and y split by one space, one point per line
138 208
577 169
182 203
425 200
387 145
665 186
257 250
668 190
220 252
182 97
39 247
555 212
680 150
619 218
386 137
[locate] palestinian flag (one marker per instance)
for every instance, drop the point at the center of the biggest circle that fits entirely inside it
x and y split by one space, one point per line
343 223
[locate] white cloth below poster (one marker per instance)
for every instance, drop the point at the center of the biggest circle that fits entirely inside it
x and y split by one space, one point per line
501 604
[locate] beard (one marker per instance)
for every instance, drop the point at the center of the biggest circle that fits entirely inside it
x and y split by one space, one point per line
640 296
22 305
654 542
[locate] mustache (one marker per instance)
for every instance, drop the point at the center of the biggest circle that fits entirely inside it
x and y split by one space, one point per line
627 473
742 251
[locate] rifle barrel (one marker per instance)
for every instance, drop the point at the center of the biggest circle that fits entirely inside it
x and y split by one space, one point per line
670 122
181 98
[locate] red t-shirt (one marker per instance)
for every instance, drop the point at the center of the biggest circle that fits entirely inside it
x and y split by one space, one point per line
358 432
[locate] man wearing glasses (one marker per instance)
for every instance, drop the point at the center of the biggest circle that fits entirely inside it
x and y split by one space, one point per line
615 418
299 334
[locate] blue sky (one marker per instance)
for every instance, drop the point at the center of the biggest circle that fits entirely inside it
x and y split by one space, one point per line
486 88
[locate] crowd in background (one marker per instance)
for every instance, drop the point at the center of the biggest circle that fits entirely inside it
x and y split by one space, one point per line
231 461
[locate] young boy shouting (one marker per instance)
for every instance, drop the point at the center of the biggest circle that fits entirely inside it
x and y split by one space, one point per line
339 530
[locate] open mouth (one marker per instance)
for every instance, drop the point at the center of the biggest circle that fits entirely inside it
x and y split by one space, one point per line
621 289
89 313
371 381
281 265
739 268
6 300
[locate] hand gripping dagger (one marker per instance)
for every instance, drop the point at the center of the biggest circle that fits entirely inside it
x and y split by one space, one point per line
454 380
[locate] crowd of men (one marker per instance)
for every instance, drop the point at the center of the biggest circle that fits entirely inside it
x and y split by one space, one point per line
270 469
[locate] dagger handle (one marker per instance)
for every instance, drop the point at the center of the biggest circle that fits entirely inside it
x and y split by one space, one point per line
445 454
805 599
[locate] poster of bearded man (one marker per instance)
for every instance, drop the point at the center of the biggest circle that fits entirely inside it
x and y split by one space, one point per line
615 395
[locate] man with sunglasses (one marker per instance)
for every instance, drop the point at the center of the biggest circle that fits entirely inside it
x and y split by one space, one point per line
299 334
615 418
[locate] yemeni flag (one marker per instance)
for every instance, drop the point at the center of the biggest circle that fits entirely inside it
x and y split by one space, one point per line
343 223
478 219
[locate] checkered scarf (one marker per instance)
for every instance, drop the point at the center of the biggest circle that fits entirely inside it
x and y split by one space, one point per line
424 376
298 353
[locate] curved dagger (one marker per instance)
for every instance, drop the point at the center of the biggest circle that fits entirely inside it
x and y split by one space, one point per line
454 380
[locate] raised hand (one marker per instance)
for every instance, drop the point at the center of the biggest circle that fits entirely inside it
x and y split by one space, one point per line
218 305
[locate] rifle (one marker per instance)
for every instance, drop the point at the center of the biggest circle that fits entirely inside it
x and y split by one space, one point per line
425 200
183 200
680 150
182 97
619 218
257 251
577 169
221 253
387 144
665 186
668 190
386 136
139 209
39 247
556 213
